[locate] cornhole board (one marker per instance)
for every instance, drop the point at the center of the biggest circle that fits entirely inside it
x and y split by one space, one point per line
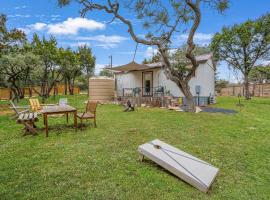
192 170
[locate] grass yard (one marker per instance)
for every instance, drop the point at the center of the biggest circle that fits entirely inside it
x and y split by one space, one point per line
102 163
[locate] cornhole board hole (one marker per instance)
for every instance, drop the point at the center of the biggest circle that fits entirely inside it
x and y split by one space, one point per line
192 170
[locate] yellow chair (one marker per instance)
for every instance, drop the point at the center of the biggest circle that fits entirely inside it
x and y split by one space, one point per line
36 106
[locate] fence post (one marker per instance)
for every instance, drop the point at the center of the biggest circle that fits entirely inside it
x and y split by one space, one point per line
262 90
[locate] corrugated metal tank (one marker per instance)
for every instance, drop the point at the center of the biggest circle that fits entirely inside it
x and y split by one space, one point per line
101 89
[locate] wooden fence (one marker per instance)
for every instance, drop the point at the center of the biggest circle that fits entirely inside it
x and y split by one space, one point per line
257 90
6 93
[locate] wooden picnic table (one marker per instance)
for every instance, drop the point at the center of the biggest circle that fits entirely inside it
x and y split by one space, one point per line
56 110
28 120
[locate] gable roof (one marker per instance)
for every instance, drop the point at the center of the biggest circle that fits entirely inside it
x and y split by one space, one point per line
133 66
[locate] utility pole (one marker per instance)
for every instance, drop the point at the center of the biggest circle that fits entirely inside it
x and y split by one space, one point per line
110 60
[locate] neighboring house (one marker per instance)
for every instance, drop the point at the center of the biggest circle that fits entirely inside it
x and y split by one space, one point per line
149 80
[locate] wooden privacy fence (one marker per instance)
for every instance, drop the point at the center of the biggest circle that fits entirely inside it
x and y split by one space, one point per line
257 90
6 93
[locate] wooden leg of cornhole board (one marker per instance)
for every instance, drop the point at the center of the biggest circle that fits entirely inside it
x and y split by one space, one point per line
67 117
141 157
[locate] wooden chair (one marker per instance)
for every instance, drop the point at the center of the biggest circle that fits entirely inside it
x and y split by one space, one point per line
28 120
36 106
18 109
90 112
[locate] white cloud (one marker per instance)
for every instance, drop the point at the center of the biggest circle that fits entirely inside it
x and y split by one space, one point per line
199 38
150 51
19 16
265 63
72 26
69 27
77 44
25 30
55 16
104 41
129 52
33 27
107 45
38 26
20 7
104 38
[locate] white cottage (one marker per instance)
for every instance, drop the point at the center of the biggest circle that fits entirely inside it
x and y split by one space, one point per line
150 80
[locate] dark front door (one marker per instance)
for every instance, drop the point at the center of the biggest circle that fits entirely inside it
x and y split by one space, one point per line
147 82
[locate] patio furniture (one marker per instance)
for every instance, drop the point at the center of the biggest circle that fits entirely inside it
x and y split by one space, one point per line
63 102
28 120
18 109
90 112
36 106
58 110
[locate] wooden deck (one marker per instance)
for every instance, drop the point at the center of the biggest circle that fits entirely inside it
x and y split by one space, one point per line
161 101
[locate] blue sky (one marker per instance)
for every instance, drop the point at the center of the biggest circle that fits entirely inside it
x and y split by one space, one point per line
46 18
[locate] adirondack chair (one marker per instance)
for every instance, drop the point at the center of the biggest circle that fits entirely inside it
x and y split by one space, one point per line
90 112
18 109
36 106
28 120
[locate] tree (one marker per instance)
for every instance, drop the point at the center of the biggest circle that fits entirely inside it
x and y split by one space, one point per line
87 62
242 45
220 83
154 59
70 68
260 74
162 20
16 68
9 38
106 72
48 74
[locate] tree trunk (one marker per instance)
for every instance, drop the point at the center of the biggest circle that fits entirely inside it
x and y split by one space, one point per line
190 104
65 89
70 88
246 85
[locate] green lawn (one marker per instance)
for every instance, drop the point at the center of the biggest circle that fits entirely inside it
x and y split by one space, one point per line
102 163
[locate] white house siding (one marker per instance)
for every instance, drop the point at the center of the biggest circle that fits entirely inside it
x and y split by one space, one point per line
128 80
204 77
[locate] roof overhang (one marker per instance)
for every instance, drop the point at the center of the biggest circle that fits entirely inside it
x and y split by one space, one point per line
133 66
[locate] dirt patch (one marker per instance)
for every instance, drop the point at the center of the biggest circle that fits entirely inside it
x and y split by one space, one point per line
4 110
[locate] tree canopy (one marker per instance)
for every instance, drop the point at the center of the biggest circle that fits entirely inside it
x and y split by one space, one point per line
260 74
40 62
242 45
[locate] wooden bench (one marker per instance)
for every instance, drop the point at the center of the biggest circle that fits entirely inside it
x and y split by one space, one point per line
28 120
